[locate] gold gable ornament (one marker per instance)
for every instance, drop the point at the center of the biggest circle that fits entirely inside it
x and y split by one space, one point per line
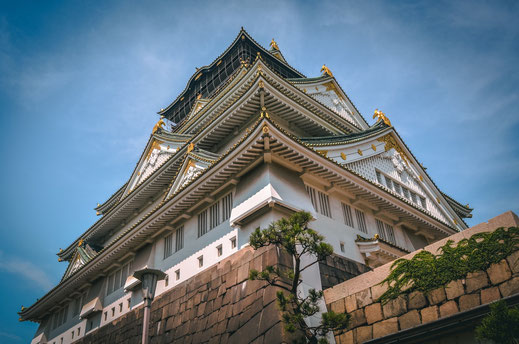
390 142
326 70
381 117
274 45
160 124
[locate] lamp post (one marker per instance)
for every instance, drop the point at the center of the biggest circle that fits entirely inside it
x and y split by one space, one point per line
149 278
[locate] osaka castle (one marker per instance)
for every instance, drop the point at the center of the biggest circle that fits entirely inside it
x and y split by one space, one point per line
248 141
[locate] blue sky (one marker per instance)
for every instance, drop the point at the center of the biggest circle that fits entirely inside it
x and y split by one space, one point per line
81 81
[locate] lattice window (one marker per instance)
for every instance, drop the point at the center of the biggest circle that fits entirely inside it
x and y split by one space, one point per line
168 246
380 229
414 198
202 223
324 204
379 178
398 188
390 233
226 207
313 197
389 183
117 278
179 238
348 218
423 202
214 215
361 221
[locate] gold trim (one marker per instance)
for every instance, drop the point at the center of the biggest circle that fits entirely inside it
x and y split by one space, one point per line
359 151
323 152
274 45
373 147
326 70
390 142
381 117
160 124
343 156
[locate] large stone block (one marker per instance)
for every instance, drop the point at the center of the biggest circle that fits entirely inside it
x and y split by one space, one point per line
373 313
377 291
469 301
395 307
350 303
346 338
436 296
513 262
338 306
429 314
499 272
490 295
363 334
363 298
454 289
357 318
416 300
448 308
385 327
509 287
409 319
476 280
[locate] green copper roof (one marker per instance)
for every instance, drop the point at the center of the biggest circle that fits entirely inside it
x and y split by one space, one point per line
343 139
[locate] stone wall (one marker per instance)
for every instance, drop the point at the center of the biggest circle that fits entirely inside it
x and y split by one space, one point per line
337 269
219 305
370 319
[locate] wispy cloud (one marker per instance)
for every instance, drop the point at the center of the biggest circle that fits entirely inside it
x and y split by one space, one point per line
10 336
25 269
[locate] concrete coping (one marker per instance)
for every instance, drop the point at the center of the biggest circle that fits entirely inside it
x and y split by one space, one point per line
374 277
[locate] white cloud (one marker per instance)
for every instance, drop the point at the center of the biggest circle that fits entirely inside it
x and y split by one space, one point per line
25 269
10 336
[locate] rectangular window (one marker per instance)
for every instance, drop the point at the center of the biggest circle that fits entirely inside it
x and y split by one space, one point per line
177 275
406 192
379 177
386 232
179 238
117 281
313 197
214 215
168 245
413 197
348 218
77 306
389 183
390 234
202 223
233 242
380 229
324 204
219 250
200 261
226 207
423 202
398 188
361 221
110 287
124 274
342 247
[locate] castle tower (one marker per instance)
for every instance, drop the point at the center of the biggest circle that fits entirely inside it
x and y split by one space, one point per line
249 140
